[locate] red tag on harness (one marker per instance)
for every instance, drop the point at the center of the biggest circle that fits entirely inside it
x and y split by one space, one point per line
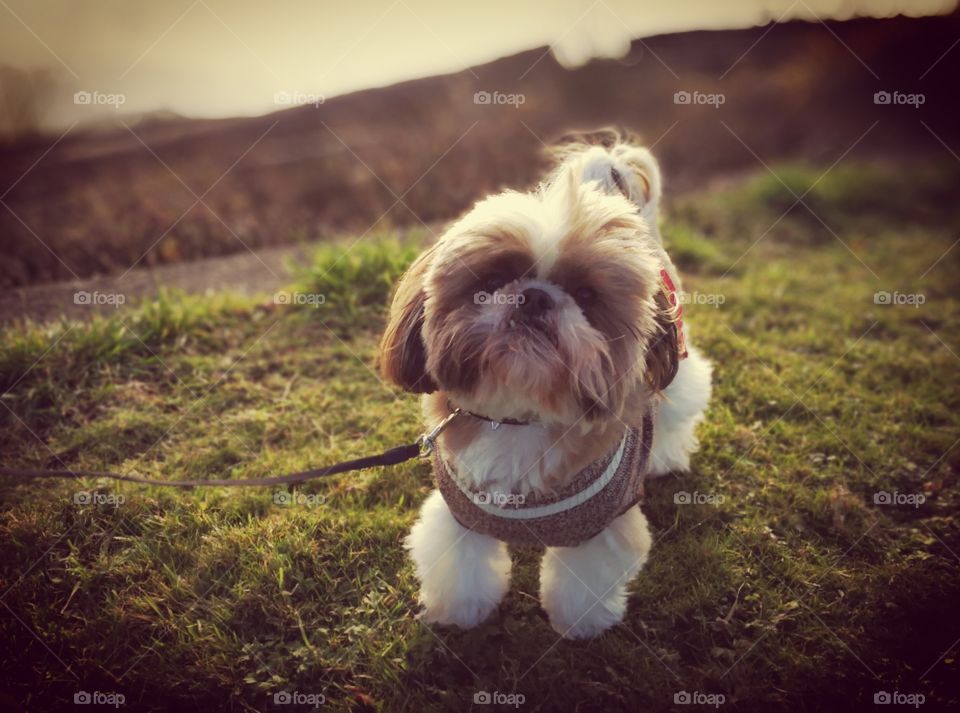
670 290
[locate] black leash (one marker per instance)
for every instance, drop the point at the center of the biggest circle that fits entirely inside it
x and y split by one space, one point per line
422 447
393 456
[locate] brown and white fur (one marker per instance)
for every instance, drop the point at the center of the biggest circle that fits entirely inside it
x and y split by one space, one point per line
545 307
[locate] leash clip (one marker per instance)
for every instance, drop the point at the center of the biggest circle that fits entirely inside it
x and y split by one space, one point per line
427 441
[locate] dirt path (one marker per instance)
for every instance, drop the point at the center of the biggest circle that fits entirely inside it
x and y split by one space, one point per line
251 272
261 271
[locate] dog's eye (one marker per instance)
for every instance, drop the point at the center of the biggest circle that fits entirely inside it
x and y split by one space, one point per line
584 295
494 281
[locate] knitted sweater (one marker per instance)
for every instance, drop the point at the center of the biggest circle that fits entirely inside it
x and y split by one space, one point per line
597 495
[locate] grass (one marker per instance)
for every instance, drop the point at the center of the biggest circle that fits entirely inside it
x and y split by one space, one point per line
796 590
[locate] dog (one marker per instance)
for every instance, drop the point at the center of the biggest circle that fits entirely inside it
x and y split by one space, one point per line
544 331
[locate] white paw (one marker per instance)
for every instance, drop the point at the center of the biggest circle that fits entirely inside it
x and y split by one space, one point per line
463 575
584 588
587 617
465 613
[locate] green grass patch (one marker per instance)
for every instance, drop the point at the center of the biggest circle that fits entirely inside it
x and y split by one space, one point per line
357 279
794 590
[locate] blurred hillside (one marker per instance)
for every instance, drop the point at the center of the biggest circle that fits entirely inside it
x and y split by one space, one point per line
167 189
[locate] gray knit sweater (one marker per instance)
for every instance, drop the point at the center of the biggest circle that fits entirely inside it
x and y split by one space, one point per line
597 495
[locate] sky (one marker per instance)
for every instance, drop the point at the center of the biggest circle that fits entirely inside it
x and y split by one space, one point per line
218 58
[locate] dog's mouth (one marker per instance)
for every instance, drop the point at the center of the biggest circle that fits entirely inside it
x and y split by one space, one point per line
538 330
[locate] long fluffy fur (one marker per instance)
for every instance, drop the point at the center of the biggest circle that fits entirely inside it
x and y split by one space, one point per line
587 362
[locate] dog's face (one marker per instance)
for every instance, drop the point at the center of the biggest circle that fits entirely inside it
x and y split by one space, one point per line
540 306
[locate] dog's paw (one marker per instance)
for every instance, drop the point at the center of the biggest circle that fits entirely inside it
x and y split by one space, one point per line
466 613
585 618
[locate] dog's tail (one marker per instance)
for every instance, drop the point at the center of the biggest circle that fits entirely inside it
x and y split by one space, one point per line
617 162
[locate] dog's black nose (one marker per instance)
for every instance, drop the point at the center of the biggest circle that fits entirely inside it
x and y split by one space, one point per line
535 303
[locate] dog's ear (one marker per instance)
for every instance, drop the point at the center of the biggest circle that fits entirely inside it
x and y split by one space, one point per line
663 356
639 178
403 356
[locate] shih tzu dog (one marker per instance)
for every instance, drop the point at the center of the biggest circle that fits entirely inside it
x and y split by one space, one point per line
544 330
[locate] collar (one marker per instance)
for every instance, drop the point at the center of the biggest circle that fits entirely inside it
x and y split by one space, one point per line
494 422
